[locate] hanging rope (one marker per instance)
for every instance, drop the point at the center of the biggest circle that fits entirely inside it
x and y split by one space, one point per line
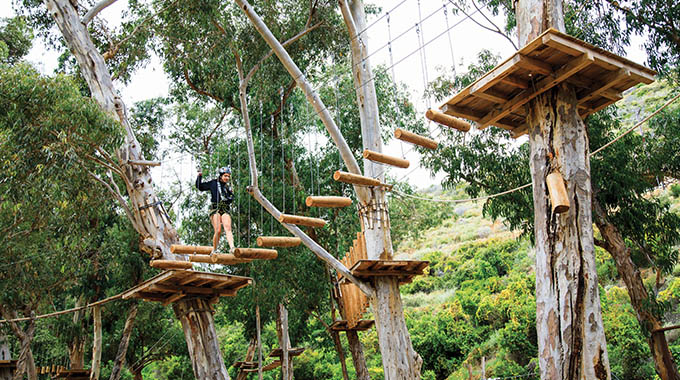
453 59
68 311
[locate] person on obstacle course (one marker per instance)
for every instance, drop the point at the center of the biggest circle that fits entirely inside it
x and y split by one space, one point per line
221 196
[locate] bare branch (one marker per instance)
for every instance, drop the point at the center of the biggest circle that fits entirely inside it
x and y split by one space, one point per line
497 30
95 10
198 90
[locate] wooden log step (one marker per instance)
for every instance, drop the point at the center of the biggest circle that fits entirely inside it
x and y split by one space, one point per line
170 264
356 179
256 253
413 138
447 120
278 241
302 220
558 193
191 249
385 159
318 201
217 258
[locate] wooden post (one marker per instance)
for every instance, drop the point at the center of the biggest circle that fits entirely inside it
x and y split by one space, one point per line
302 220
570 331
413 138
385 159
282 330
119 361
259 341
483 368
448 120
96 343
278 241
317 201
557 192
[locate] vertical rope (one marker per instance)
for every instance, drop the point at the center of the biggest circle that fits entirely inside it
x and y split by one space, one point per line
448 32
292 150
394 79
271 166
261 226
283 155
423 62
238 199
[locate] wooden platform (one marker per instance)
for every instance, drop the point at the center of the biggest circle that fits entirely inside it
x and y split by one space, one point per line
598 76
173 285
362 325
273 365
405 270
245 365
73 374
278 352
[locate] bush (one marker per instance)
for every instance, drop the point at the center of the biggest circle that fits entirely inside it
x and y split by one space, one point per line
675 190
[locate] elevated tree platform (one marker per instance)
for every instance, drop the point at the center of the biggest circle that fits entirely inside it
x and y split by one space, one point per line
598 76
361 325
73 374
292 352
405 270
173 285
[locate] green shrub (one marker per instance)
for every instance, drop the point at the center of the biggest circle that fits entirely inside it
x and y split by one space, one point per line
675 190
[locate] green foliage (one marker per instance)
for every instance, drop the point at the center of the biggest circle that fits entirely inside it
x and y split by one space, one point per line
16 39
675 190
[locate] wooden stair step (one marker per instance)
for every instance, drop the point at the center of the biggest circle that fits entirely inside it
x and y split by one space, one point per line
385 159
447 120
255 253
413 138
191 249
327 201
278 241
170 264
302 220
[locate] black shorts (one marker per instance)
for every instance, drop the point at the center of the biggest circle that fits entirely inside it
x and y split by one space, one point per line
219 208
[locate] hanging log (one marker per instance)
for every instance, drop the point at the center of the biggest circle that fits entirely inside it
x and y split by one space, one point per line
558 193
256 253
170 264
278 241
313 201
191 249
413 138
356 179
302 220
447 120
226 259
385 159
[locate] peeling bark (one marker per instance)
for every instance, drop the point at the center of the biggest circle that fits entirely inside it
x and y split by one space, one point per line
617 248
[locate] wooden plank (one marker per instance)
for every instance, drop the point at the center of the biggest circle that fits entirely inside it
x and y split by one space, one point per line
534 65
280 241
610 80
514 81
277 352
385 159
175 297
543 85
380 273
495 75
413 138
302 220
461 112
491 96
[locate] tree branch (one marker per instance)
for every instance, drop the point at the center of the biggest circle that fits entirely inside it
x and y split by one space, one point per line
198 90
497 30
95 10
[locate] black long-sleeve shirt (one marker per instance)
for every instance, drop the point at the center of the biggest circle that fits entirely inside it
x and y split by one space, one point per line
219 191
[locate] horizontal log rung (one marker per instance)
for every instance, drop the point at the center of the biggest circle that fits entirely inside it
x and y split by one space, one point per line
319 201
191 249
302 220
360 180
385 159
255 253
170 264
278 241
413 138
447 120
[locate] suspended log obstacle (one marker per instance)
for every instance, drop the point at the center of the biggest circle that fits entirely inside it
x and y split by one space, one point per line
558 192
413 138
317 201
218 258
173 285
302 220
598 77
353 302
170 264
385 159
191 249
278 241
355 179
449 121
255 253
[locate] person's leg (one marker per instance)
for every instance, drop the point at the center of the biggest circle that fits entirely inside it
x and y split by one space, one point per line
226 222
215 220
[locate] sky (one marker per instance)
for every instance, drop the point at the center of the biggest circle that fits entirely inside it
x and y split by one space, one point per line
419 52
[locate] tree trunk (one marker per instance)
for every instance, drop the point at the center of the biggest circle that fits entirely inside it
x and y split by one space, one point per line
153 223
284 342
25 362
341 353
571 341
357 355
615 245
96 343
124 341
